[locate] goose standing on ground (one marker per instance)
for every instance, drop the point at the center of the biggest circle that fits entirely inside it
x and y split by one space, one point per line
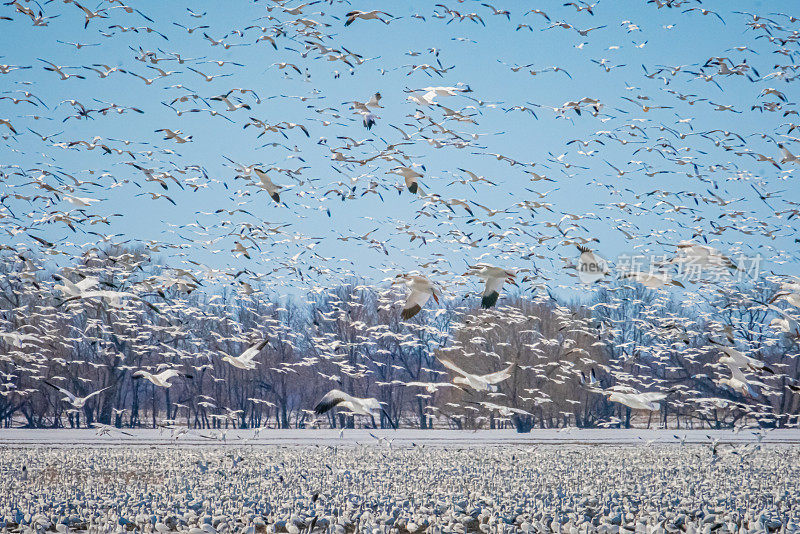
336 397
487 382
495 277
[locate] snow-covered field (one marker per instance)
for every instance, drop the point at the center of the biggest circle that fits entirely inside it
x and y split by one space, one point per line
400 438
319 486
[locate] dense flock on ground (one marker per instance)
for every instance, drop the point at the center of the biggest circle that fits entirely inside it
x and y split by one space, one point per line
694 489
461 215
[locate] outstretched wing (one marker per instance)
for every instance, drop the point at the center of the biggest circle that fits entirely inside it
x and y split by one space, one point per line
333 398
654 396
253 350
492 291
87 283
499 376
414 303
99 391
453 367
62 390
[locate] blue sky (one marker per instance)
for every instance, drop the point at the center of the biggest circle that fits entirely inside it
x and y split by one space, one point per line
480 57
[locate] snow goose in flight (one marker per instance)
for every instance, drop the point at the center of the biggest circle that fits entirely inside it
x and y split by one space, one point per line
374 101
785 323
245 359
739 383
18 339
651 280
633 399
370 119
487 382
76 289
433 92
161 379
268 185
365 107
430 387
495 277
410 176
788 157
112 298
422 290
366 15
77 402
735 359
789 291
702 255
176 135
591 267
504 411
336 397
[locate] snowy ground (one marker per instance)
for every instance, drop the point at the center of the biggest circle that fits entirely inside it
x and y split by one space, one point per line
399 438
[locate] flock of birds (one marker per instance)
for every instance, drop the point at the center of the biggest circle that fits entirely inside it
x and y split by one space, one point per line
158 163
707 198
546 490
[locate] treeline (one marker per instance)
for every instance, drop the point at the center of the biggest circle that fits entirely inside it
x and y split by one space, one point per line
351 337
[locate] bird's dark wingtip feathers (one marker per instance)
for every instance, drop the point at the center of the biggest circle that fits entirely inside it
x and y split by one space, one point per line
408 313
490 300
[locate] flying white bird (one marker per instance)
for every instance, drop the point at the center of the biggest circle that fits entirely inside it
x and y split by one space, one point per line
245 359
591 267
736 360
76 289
268 185
638 401
161 379
487 382
77 402
336 397
422 290
366 15
739 383
495 277
691 253
410 176
651 280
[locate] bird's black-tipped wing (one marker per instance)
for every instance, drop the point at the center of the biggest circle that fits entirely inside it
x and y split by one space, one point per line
54 386
408 313
330 400
490 300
